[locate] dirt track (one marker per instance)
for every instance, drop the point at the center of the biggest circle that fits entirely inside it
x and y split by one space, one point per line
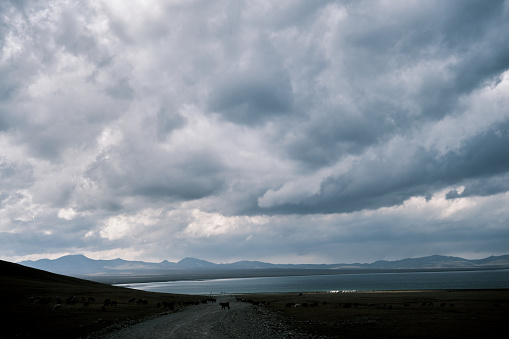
242 320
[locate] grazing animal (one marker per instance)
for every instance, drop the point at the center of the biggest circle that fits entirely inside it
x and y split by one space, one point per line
42 300
57 307
225 305
71 301
169 305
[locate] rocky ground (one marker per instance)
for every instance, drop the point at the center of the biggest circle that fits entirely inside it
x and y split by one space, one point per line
241 320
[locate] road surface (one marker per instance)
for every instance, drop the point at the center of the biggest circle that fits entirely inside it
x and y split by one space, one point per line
242 320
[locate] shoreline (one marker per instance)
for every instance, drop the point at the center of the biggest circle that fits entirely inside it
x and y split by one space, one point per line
214 274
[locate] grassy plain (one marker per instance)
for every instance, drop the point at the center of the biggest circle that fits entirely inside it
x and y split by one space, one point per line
394 314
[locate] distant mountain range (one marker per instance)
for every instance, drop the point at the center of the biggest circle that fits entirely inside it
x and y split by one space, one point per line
79 265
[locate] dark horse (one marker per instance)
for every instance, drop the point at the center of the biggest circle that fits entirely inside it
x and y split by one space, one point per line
225 305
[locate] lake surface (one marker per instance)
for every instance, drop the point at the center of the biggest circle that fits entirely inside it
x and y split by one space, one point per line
486 279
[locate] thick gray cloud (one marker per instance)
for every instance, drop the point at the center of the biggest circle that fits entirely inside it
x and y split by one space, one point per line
382 182
163 129
252 96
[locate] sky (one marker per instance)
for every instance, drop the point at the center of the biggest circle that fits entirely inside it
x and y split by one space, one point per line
280 131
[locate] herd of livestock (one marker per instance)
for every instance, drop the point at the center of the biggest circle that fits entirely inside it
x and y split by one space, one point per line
109 303
58 302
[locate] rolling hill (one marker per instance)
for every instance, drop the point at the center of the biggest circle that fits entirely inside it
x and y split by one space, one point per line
28 296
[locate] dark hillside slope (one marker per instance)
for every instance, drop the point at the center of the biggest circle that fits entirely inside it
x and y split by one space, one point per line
29 295
23 275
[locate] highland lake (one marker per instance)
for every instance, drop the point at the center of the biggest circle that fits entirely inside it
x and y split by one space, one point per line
479 279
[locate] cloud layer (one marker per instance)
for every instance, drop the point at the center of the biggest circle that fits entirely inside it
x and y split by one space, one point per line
293 131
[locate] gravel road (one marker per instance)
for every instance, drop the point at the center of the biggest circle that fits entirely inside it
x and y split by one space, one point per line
242 320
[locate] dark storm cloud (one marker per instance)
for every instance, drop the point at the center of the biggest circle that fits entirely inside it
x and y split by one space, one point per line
383 182
160 174
253 96
465 37
482 187
465 22
168 121
331 136
381 51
